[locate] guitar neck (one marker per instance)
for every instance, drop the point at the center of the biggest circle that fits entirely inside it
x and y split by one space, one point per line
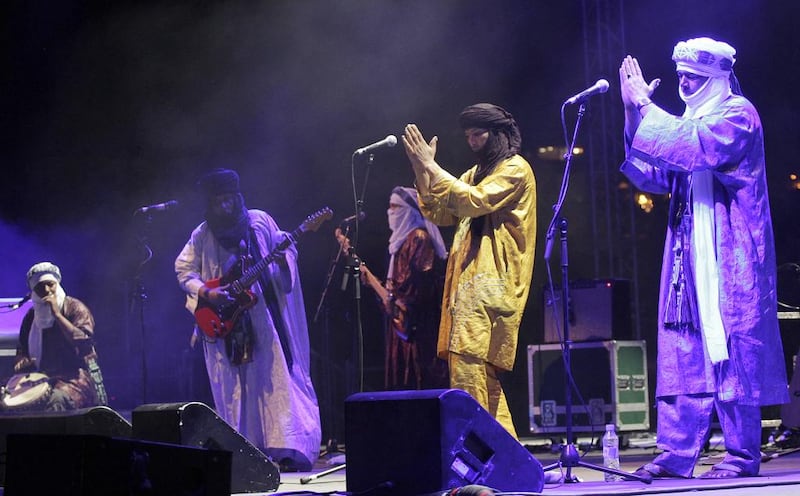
375 283
251 275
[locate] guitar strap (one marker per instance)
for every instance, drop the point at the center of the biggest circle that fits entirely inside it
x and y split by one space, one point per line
271 301
239 343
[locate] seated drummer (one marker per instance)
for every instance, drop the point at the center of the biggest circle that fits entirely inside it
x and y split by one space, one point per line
56 340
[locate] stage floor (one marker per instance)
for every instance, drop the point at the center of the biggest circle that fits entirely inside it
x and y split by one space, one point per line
780 476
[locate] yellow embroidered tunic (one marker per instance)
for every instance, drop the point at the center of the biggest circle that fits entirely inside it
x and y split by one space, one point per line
490 265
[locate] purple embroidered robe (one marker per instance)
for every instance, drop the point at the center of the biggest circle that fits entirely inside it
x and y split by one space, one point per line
661 157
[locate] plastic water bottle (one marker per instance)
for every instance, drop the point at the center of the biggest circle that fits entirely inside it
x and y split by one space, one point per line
611 452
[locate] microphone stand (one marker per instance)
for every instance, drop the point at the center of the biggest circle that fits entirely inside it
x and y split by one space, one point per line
352 269
570 458
353 265
328 278
327 359
139 293
15 306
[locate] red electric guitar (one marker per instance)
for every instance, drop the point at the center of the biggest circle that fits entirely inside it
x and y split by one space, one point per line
217 322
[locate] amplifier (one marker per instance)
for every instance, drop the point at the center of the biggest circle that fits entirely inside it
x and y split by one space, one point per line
598 310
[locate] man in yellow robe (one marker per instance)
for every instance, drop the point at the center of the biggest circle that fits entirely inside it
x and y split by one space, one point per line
491 260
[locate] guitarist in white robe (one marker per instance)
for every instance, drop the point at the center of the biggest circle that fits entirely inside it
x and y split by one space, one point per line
260 372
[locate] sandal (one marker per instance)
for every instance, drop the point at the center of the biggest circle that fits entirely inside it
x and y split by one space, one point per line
721 473
653 471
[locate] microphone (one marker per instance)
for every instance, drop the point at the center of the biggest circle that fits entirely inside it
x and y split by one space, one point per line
20 302
361 215
601 86
389 141
158 207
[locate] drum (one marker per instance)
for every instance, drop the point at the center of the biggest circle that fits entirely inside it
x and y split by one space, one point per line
26 392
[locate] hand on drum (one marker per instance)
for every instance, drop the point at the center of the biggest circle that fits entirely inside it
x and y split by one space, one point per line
26 392
24 364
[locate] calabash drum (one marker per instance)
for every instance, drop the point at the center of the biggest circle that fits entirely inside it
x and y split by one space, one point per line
26 391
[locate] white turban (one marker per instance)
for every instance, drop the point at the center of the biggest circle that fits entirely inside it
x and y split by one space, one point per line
405 219
705 57
43 317
43 271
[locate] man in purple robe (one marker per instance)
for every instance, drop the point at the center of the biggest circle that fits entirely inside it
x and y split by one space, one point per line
718 335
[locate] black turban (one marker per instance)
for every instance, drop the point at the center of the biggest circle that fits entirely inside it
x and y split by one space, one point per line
219 182
504 136
229 229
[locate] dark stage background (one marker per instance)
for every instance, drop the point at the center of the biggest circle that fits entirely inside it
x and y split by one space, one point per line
109 106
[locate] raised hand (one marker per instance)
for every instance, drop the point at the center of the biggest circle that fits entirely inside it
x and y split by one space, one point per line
422 155
419 152
632 84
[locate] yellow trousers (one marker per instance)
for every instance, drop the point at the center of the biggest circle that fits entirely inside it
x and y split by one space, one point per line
479 379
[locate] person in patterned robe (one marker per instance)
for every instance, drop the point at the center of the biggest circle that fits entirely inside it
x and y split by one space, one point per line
56 339
718 335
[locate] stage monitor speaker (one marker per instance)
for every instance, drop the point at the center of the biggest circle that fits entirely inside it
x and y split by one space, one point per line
195 424
86 465
417 442
99 420
599 310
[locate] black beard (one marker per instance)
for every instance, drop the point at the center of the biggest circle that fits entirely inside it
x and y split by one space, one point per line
495 150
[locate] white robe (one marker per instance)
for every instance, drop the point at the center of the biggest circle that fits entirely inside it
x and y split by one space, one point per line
273 407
